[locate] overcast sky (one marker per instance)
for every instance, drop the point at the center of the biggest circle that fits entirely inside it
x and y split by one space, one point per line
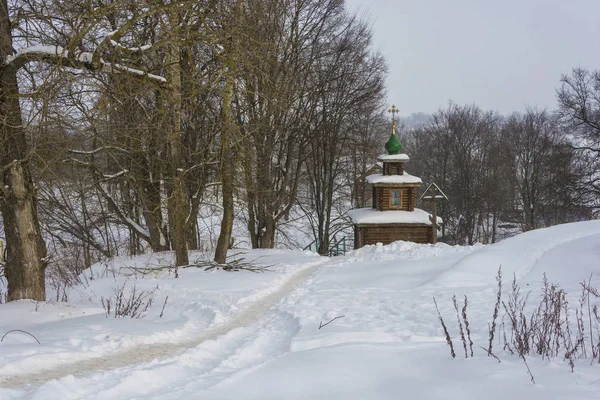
498 54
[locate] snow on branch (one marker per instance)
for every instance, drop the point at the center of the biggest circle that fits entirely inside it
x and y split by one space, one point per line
79 60
76 161
131 49
131 223
144 233
113 176
98 150
137 227
41 50
113 67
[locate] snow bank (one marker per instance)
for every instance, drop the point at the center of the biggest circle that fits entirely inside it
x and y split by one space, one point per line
530 254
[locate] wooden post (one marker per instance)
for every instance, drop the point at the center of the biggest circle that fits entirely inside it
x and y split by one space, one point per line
432 193
434 222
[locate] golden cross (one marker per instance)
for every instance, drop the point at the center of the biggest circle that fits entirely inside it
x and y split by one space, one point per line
393 111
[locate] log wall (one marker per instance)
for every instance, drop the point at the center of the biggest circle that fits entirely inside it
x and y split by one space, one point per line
381 198
388 233
393 168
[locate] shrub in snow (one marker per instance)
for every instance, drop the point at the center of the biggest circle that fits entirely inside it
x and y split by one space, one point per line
550 329
128 302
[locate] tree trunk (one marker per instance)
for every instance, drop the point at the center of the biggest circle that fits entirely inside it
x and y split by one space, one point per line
177 203
228 163
26 250
147 173
227 187
227 168
192 233
266 236
251 205
150 196
265 196
494 226
250 197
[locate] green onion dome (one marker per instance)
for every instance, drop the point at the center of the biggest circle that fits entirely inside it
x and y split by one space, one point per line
393 145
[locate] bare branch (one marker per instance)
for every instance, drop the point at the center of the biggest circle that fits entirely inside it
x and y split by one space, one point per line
322 325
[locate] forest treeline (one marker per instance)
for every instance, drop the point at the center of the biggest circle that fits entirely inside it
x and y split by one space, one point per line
508 174
123 119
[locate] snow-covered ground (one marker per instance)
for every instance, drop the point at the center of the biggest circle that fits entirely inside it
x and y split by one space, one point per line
230 335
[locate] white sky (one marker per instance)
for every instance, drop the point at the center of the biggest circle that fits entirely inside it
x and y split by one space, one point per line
498 54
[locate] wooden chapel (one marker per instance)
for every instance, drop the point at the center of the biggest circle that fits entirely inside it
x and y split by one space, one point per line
393 215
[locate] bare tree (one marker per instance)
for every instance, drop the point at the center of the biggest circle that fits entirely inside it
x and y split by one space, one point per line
579 110
276 107
539 153
350 80
368 132
457 150
227 161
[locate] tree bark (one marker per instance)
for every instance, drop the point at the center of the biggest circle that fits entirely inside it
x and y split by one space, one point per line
26 250
250 197
227 169
228 164
177 203
266 236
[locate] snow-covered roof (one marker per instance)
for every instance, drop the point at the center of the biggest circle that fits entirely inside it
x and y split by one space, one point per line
377 165
372 216
433 189
404 178
393 157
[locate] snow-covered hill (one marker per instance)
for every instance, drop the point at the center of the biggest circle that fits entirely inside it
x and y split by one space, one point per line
230 335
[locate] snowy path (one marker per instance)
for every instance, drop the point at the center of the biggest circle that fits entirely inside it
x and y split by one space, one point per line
149 353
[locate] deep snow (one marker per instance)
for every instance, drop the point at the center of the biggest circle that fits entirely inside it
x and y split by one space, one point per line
266 342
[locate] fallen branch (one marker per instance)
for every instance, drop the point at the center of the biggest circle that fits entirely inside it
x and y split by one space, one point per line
322 325
236 265
19 330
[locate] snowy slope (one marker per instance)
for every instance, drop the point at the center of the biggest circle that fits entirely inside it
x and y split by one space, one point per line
387 343
198 301
530 254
